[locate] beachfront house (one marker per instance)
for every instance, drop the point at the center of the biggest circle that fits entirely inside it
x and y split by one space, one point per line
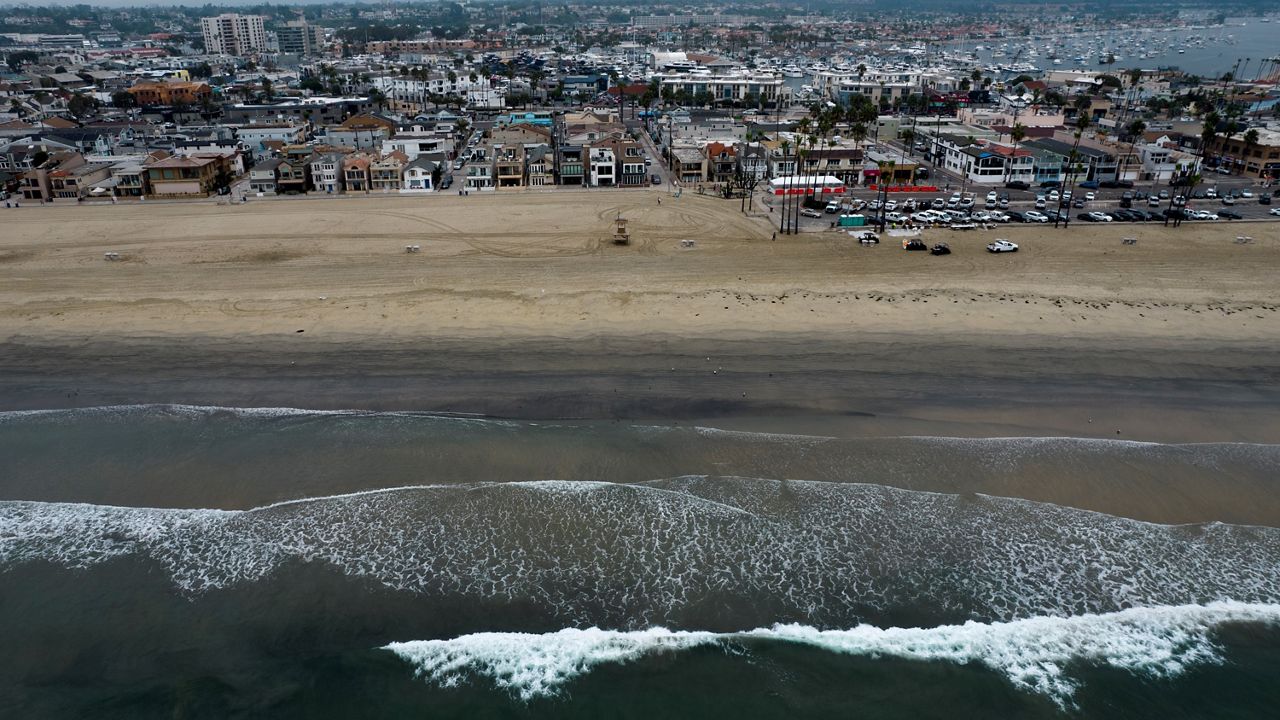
264 176
185 177
326 172
422 173
355 172
386 174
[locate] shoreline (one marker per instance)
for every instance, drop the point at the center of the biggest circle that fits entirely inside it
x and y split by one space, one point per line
872 385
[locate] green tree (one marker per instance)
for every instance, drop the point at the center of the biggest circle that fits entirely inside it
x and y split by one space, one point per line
80 105
124 100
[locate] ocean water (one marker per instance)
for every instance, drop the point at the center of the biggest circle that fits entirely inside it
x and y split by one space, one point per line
185 561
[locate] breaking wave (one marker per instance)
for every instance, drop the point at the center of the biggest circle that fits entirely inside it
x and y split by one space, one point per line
1035 654
677 551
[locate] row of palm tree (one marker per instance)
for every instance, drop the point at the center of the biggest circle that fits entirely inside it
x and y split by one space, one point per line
813 137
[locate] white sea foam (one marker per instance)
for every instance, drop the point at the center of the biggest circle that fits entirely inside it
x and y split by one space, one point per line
636 555
1036 654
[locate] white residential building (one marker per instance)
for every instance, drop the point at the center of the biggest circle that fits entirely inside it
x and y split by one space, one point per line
254 136
415 144
602 163
326 173
232 34
1162 161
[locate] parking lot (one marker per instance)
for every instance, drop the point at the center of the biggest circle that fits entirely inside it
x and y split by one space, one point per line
1012 206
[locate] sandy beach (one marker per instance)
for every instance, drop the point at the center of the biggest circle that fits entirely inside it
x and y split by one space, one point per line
521 305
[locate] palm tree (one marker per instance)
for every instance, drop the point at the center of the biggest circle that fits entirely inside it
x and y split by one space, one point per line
1250 139
1073 169
1134 75
1208 132
802 128
1135 130
786 187
1017 133
886 167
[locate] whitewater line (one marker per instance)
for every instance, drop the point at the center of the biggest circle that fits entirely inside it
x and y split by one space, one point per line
1032 653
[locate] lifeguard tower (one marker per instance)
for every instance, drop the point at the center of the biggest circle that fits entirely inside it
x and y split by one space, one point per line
621 235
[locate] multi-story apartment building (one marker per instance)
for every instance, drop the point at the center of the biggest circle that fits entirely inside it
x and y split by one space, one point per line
508 165
355 172
298 37
739 88
232 34
538 164
569 164
170 93
186 177
1259 159
386 174
603 166
326 173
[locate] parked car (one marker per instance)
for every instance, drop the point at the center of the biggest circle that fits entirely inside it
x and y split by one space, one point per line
1274 211
891 205
832 208
1100 216
1050 184
1015 216
1090 197
895 217
1246 193
1053 196
457 164
1089 184
1036 217
1228 200
1153 201
810 212
993 196
1264 199
1230 215
938 204
1000 246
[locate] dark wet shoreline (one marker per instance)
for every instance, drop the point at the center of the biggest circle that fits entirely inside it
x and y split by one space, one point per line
863 386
